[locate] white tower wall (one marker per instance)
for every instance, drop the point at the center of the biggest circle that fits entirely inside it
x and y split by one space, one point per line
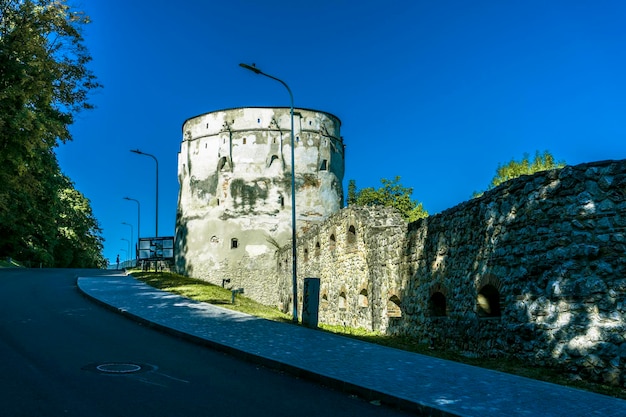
234 204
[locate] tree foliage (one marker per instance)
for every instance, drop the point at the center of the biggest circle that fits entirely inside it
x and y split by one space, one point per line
513 169
44 82
391 194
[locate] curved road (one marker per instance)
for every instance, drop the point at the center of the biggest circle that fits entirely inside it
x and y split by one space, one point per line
63 355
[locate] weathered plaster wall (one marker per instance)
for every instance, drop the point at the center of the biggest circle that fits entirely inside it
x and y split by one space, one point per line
535 268
234 205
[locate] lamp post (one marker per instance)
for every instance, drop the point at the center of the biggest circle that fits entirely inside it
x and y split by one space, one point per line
138 152
131 255
138 218
128 242
294 278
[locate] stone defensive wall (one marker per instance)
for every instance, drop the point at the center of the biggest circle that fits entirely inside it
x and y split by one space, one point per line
534 269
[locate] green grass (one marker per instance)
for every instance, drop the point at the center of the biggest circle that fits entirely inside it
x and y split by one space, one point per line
203 291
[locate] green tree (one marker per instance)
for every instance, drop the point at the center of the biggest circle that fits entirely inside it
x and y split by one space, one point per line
513 169
44 82
391 194
352 192
79 244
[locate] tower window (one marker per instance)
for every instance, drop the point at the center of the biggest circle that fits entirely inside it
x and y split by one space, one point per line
234 243
244 141
324 165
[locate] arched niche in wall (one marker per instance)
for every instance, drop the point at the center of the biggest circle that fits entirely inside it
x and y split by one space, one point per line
351 235
324 298
363 298
393 307
437 304
488 302
333 242
342 302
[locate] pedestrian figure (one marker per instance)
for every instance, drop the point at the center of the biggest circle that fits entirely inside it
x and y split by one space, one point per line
118 262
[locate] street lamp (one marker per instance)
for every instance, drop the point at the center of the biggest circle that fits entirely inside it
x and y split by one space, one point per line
294 279
131 239
138 152
138 218
128 241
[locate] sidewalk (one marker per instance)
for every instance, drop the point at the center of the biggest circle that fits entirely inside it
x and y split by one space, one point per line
427 385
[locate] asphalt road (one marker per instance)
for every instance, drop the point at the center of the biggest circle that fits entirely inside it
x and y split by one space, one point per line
63 355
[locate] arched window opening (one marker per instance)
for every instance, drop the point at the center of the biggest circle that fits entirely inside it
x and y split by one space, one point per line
234 243
306 254
221 165
363 300
333 242
272 160
393 307
281 201
351 234
325 297
324 165
342 301
488 302
317 248
437 305
244 141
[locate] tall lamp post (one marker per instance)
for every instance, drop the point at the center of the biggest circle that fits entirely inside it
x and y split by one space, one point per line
132 255
294 278
138 218
128 242
123 250
138 152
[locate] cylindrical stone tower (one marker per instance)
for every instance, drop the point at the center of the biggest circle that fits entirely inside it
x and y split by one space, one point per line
234 203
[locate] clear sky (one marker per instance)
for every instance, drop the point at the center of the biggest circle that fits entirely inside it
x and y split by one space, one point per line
436 92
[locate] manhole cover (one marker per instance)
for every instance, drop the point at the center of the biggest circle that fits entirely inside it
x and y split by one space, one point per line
119 368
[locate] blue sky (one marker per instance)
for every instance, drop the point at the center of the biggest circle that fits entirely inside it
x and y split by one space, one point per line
436 92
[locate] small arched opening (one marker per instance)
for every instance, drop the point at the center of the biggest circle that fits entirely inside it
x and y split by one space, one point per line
222 163
333 242
351 234
488 302
343 302
363 299
437 304
393 307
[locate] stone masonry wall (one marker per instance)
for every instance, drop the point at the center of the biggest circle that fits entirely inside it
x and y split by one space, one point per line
535 269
